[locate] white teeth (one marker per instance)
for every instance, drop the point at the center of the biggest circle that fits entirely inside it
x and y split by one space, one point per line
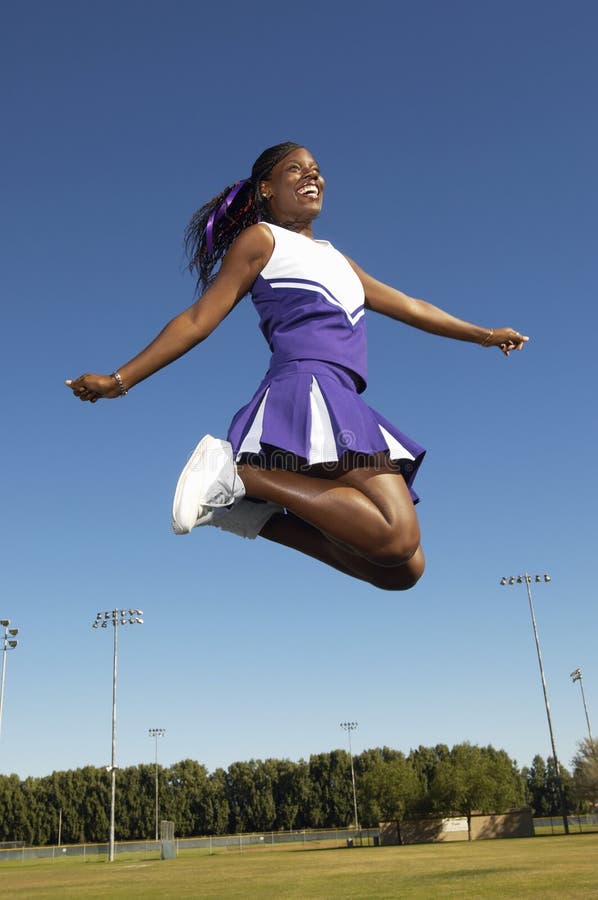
310 189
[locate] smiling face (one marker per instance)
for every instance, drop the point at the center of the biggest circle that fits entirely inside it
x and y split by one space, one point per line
294 190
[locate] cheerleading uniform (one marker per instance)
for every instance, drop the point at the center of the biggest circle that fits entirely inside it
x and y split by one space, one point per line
312 314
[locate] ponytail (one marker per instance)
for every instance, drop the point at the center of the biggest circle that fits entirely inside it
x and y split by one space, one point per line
218 222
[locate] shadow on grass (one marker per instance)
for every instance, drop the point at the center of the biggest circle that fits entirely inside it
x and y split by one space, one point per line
469 873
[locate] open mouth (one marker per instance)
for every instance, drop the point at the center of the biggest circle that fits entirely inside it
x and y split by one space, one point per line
309 190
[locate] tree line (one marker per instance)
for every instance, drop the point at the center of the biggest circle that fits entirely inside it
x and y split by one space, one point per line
279 794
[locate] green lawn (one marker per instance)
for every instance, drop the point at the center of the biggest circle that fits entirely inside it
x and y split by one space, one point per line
542 867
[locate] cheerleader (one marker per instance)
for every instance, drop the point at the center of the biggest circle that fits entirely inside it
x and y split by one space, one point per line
306 462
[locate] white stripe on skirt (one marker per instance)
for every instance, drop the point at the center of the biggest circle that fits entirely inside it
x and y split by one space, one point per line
322 443
322 446
397 451
251 441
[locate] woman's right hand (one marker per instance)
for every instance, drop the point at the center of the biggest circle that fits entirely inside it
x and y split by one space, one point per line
91 388
506 339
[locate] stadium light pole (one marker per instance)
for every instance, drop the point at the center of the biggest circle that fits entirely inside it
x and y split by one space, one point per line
157 733
117 617
539 579
8 643
349 727
577 676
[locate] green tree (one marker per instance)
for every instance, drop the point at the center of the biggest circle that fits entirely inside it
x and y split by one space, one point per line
543 783
424 761
219 808
389 790
474 779
15 824
290 790
42 812
536 786
135 803
250 798
187 798
585 775
552 787
58 807
331 790
92 787
24 811
317 806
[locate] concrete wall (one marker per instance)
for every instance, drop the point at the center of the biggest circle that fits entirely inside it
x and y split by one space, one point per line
428 831
515 823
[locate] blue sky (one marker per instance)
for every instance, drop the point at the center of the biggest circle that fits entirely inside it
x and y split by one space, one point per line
459 143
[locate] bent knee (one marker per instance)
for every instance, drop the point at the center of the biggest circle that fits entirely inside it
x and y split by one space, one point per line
399 578
397 551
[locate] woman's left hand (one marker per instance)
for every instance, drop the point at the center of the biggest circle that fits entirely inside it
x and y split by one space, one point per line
506 338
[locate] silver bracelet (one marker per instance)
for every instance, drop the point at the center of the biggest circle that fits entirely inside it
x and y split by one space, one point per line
120 383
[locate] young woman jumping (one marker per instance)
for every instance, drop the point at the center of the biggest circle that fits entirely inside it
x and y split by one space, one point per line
306 462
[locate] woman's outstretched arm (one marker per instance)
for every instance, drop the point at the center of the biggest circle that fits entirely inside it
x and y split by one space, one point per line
423 315
240 267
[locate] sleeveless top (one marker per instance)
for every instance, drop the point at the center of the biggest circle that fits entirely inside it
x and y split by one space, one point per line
311 304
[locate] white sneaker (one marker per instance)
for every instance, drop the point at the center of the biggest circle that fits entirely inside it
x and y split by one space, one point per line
245 518
208 481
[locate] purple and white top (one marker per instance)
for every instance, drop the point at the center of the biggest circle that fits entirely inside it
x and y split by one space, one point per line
311 304
311 308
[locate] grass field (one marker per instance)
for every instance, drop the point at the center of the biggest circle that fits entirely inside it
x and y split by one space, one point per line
547 867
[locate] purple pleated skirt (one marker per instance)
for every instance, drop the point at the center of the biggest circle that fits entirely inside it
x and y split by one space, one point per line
313 411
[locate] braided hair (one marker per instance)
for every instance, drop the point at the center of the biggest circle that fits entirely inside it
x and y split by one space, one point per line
218 222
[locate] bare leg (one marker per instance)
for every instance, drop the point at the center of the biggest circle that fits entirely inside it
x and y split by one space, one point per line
368 509
297 534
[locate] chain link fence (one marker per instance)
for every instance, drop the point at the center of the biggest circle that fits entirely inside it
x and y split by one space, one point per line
340 837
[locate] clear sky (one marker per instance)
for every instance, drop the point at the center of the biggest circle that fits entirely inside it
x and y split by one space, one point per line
459 143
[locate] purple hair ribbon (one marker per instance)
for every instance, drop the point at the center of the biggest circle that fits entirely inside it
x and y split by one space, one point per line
216 215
